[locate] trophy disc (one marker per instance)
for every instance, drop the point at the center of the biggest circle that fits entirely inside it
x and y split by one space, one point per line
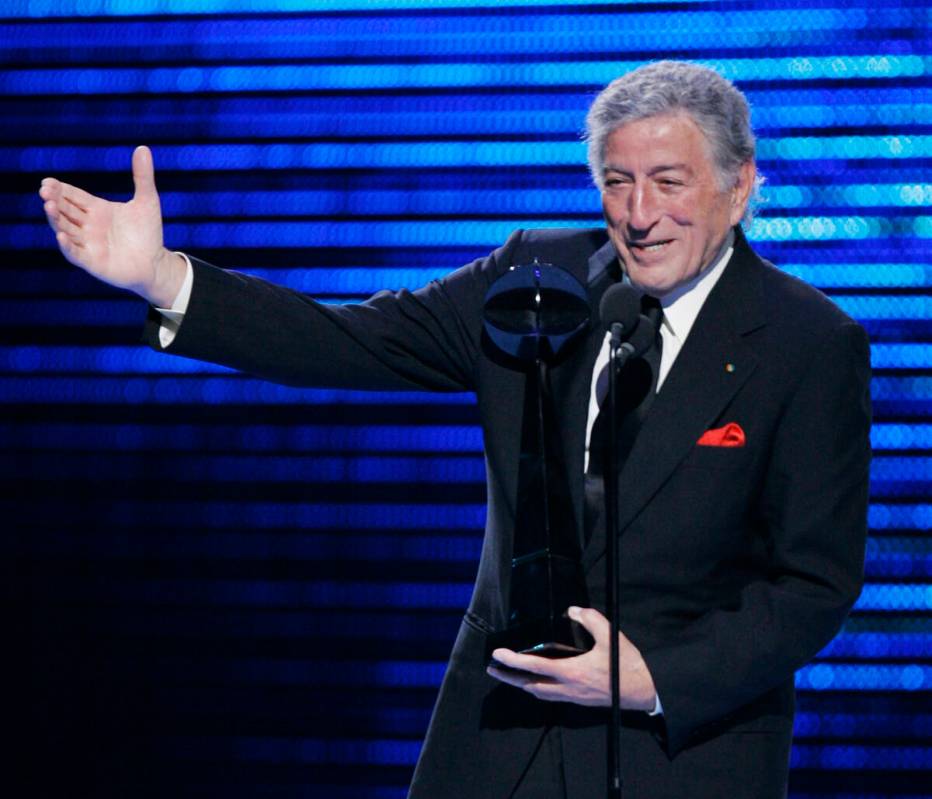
534 310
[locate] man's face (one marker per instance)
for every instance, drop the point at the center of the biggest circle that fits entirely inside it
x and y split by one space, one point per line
665 211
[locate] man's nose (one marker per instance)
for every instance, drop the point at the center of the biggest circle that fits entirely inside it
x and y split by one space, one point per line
643 209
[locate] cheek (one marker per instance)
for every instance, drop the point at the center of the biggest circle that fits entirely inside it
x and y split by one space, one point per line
615 225
682 218
684 210
611 213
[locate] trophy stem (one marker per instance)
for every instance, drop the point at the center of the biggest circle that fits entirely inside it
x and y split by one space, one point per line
546 573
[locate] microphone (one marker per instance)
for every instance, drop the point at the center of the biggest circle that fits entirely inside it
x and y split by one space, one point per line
620 312
620 305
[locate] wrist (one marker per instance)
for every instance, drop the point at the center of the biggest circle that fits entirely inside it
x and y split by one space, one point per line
169 270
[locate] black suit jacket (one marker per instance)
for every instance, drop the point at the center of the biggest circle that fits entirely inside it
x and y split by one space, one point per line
736 565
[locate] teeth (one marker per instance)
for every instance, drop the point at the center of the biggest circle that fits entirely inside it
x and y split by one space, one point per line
653 247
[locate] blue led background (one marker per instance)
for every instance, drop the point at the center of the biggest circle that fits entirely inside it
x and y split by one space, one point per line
229 588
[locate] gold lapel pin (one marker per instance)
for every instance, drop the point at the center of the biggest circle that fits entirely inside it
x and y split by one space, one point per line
729 367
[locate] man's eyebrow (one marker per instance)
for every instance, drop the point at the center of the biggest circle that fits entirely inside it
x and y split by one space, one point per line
653 170
670 168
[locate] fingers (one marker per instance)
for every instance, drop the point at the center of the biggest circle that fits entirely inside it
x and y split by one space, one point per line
64 216
69 244
74 251
569 687
552 679
538 686
68 221
515 677
63 197
49 188
66 208
51 213
529 663
74 197
50 192
143 173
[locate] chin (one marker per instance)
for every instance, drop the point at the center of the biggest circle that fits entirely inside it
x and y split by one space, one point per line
652 284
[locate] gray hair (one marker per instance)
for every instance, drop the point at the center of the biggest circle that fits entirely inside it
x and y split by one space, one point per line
717 107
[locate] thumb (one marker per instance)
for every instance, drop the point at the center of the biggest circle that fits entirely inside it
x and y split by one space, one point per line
594 622
143 174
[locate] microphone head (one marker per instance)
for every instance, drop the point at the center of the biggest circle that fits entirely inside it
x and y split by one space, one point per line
620 303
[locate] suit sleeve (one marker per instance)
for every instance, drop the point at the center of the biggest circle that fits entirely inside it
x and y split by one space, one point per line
813 509
404 340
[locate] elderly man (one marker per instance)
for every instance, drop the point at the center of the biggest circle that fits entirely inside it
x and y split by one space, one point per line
742 507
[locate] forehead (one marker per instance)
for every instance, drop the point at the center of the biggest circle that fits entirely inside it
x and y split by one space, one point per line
665 139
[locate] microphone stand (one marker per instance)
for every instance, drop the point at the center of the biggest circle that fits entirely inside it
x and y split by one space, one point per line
621 349
616 359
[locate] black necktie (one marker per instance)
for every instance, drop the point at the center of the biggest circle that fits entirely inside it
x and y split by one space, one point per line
636 385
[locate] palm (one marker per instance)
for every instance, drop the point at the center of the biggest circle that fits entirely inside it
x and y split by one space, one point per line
122 241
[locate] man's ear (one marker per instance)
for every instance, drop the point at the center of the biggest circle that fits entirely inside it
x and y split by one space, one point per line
741 192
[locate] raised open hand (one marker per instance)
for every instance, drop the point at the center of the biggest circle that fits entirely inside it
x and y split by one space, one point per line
119 243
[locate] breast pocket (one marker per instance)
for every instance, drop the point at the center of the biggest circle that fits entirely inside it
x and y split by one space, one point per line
704 457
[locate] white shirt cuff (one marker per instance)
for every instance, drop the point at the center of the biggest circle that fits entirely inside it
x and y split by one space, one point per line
174 316
658 708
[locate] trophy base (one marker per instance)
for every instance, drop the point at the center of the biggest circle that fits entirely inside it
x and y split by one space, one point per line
550 638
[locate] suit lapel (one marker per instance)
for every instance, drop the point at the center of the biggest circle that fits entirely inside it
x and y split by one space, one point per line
697 389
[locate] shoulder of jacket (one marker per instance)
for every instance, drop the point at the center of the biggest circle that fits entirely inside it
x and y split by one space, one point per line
793 299
589 238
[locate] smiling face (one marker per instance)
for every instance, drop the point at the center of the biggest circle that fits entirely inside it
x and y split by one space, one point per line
666 212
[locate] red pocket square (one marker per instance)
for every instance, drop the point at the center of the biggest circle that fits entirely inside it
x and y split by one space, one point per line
731 435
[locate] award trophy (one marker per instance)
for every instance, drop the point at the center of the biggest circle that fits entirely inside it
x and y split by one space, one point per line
532 313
